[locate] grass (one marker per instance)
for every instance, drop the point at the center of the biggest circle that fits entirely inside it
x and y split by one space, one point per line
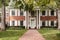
11 34
50 33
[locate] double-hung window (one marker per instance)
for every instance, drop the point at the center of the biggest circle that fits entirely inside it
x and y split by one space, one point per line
13 23
43 23
52 23
21 23
13 12
43 13
21 13
52 12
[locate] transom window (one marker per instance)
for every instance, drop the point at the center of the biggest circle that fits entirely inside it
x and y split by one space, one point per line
21 23
52 12
13 12
43 12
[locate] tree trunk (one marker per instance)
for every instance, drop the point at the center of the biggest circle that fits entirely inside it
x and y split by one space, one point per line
3 17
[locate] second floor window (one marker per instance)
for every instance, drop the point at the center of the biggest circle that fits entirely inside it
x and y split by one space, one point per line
13 12
43 12
21 13
52 12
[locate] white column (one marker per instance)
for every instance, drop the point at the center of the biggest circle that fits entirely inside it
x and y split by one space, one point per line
28 20
39 19
58 19
25 19
27 12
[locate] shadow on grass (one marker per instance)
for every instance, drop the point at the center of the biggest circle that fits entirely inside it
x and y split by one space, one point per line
12 33
58 36
50 33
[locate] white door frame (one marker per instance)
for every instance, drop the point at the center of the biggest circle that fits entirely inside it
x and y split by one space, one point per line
32 25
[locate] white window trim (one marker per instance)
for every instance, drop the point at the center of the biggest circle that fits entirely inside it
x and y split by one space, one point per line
50 13
46 23
13 10
55 12
55 22
23 12
45 13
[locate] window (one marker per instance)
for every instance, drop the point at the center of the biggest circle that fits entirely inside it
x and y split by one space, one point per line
52 12
43 23
43 12
13 23
52 23
21 23
13 12
21 13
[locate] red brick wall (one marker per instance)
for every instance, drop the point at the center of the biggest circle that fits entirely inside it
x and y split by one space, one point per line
52 18
17 17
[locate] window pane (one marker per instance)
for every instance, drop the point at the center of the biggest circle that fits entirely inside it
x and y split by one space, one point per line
52 12
43 23
52 23
43 12
21 13
13 12
21 23
13 23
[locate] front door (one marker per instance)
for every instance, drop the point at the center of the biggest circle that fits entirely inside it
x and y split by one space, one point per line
32 22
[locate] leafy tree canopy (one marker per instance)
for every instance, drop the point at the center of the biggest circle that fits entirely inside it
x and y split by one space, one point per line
5 1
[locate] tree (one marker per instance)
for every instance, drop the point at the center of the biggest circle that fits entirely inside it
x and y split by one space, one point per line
3 3
29 5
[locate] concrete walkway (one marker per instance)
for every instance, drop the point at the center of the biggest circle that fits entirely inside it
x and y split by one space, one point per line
32 35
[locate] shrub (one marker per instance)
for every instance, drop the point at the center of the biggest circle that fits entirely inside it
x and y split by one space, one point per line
16 27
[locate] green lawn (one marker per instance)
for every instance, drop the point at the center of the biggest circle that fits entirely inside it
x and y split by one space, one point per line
11 34
50 33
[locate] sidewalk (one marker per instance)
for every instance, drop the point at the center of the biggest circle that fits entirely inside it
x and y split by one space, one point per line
32 35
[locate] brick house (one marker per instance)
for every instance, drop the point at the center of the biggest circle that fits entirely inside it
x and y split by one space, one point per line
36 19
